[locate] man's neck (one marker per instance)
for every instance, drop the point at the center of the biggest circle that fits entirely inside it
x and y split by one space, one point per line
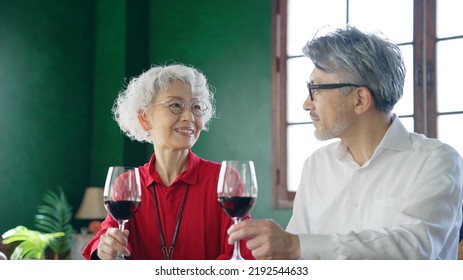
366 136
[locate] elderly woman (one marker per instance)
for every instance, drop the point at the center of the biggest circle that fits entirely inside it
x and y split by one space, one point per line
179 216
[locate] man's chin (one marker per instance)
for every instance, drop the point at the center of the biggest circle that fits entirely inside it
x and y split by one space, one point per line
322 136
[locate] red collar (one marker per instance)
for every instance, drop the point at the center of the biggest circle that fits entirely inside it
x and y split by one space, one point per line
189 176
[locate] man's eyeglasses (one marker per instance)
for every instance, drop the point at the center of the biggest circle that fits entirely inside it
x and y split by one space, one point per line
312 87
176 106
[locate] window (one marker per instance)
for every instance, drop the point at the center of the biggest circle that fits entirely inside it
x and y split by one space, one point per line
429 37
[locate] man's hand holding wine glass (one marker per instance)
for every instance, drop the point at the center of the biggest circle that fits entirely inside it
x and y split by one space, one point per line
266 239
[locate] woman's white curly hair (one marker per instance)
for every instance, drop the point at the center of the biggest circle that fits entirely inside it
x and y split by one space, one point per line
142 90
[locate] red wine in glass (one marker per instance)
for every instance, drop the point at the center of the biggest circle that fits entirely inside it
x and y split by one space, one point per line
237 192
122 209
236 206
122 195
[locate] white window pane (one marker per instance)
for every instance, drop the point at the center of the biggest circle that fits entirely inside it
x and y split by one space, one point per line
409 123
449 19
394 18
447 132
306 17
301 143
405 105
449 63
298 70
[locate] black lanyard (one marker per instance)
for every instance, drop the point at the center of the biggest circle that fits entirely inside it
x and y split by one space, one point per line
169 253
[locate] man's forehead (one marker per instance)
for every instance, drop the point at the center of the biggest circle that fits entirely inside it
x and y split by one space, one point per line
316 73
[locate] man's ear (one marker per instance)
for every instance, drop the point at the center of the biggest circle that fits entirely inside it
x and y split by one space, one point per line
145 124
363 100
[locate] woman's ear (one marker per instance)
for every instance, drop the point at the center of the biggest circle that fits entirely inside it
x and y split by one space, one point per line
144 122
364 100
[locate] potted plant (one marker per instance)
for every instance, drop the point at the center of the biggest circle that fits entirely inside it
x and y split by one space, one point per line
56 237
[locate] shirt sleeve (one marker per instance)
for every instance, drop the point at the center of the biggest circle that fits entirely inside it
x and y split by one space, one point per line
428 221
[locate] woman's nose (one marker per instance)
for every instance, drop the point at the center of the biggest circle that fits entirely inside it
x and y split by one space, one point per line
187 115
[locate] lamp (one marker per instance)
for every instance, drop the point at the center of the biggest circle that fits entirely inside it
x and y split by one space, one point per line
92 207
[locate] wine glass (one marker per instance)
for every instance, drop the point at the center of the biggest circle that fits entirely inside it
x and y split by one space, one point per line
122 195
237 192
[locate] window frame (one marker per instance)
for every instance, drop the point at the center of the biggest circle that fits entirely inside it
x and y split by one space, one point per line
282 198
424 88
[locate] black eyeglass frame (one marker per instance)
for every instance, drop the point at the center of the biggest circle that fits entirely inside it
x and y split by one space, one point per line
311 87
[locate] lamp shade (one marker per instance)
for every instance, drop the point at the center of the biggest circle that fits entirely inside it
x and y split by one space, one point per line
92 205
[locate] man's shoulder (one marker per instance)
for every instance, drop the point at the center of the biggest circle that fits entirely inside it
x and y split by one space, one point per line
421 143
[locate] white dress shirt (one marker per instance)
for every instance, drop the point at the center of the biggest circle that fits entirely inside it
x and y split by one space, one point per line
403 203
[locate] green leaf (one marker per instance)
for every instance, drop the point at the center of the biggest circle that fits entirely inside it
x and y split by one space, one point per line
32 244
55 216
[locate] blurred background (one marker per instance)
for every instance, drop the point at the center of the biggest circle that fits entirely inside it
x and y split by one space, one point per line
63 63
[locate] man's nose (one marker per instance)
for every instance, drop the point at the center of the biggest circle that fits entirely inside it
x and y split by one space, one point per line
308 104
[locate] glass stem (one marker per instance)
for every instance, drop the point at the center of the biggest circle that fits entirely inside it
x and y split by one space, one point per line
236 250
121 224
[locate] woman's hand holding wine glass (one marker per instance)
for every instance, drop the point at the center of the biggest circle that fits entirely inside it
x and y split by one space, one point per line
237 192
122 196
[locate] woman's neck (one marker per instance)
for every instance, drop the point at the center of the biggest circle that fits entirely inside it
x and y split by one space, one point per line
170 164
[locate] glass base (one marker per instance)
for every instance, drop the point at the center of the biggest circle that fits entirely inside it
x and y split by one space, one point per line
237 258
119 257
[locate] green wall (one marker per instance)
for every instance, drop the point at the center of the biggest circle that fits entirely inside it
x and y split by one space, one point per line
109 72
230 41
61 67
121 52
46 73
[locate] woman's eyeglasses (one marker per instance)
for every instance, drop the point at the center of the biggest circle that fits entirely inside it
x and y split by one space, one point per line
176 106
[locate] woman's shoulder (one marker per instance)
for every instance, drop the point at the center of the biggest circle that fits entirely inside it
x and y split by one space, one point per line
202 162
205 163
144 167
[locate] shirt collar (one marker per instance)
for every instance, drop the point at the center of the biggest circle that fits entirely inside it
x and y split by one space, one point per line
189 176
396 138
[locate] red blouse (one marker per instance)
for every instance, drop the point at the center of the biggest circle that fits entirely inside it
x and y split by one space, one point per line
202 233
